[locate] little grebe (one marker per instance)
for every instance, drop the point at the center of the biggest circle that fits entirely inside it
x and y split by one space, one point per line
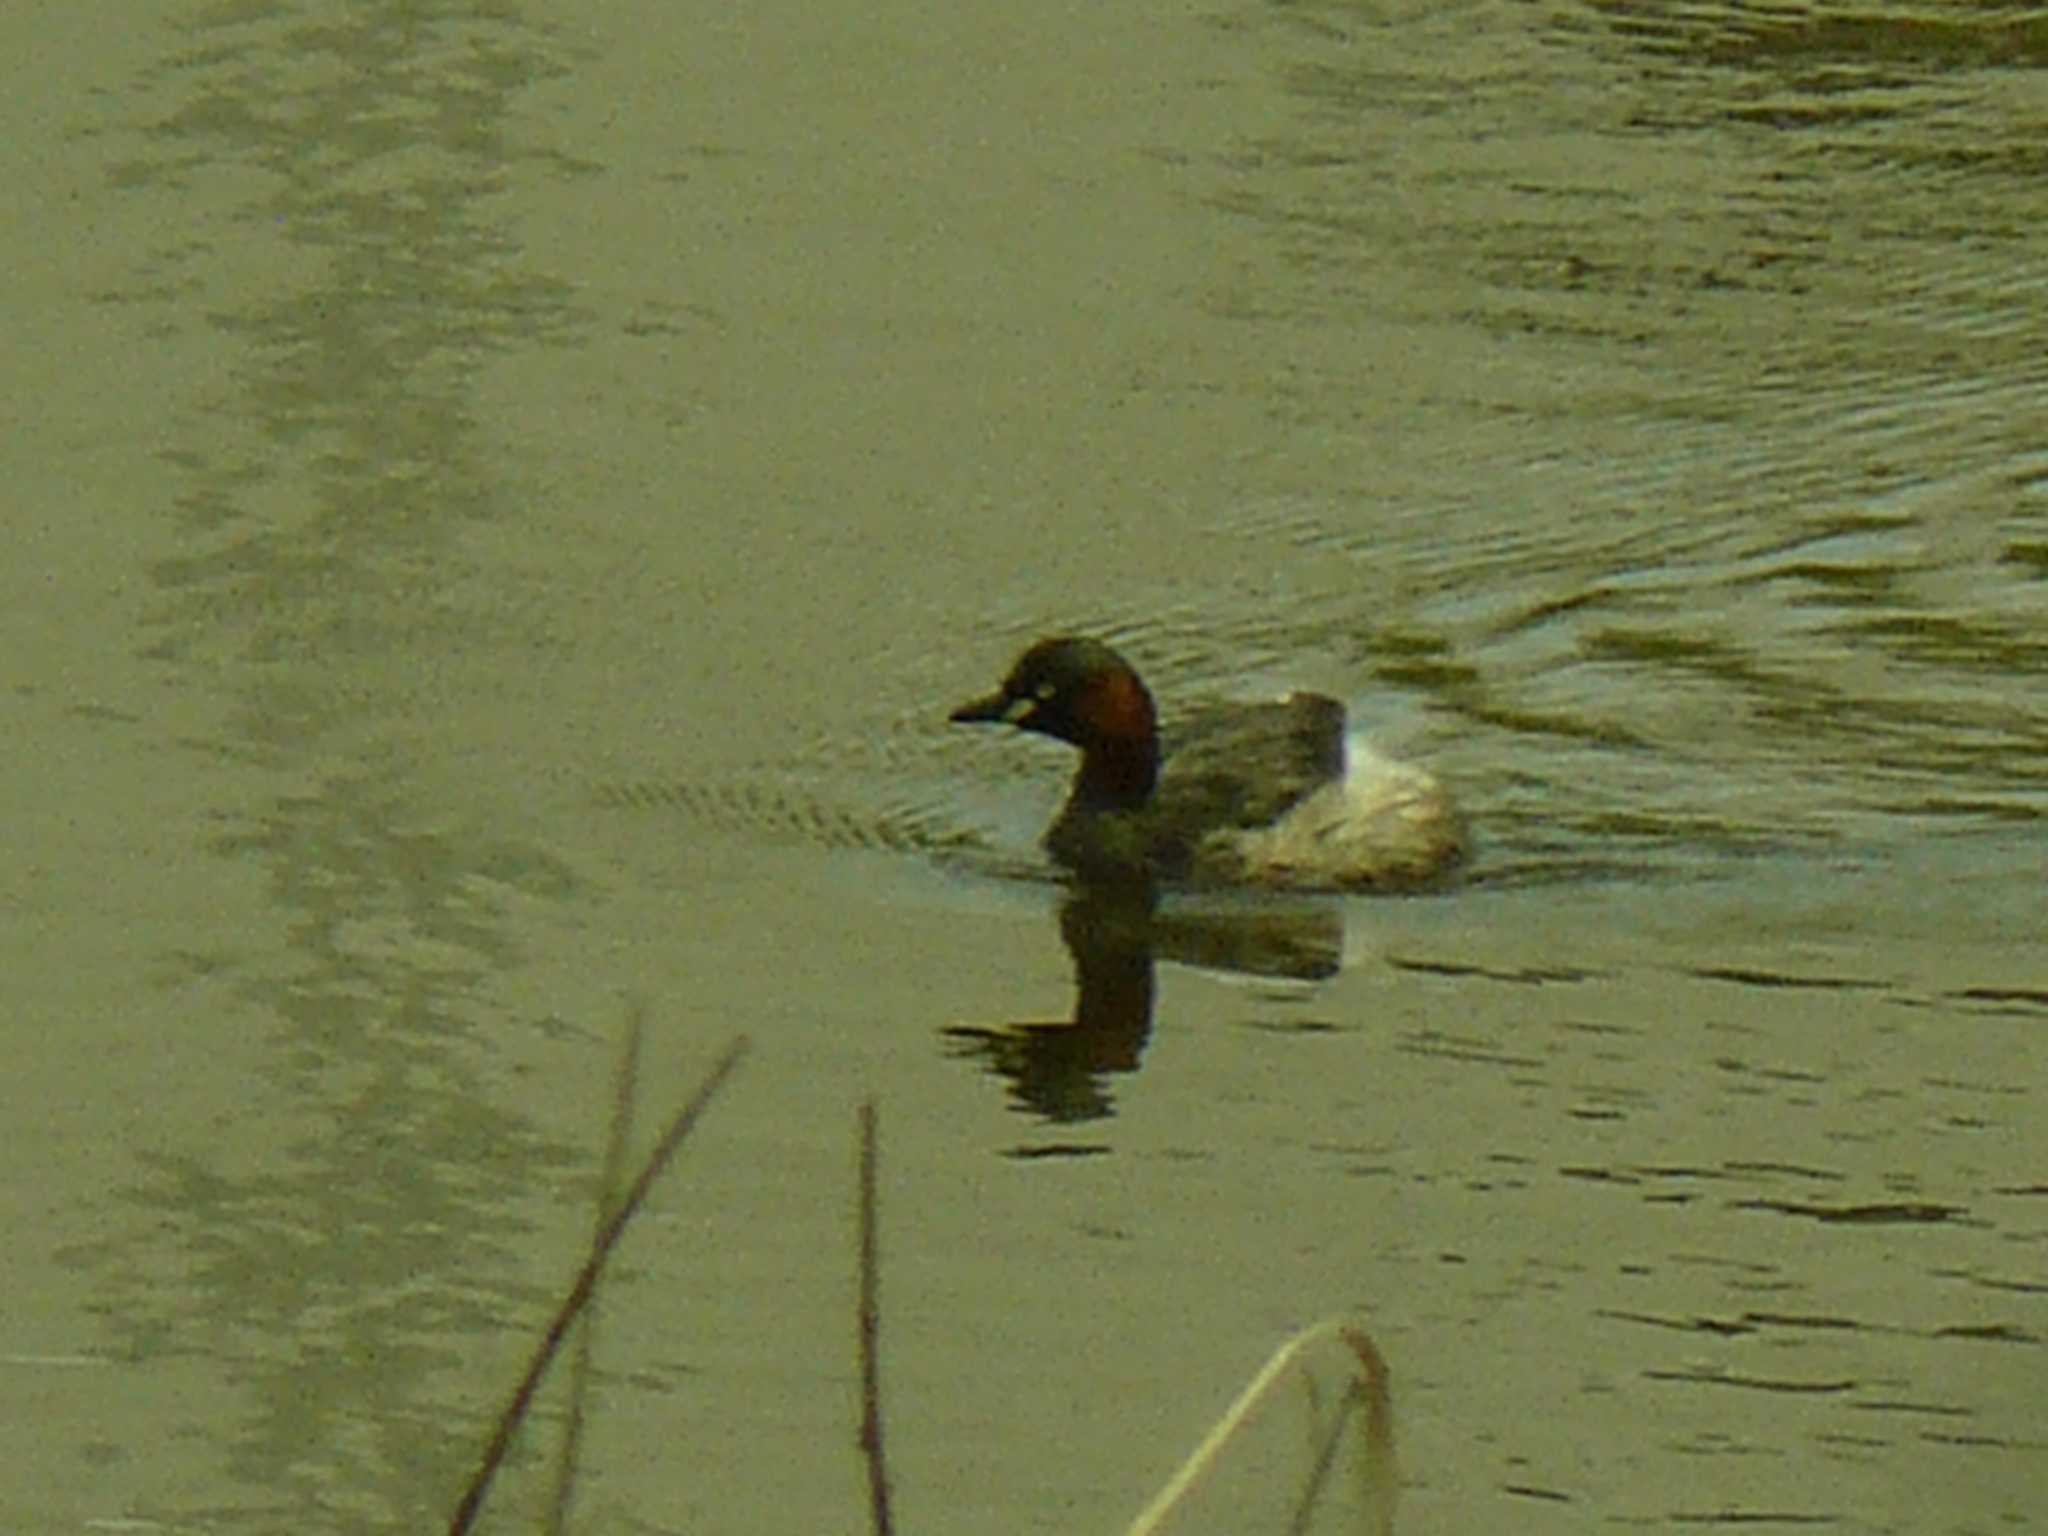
1249 794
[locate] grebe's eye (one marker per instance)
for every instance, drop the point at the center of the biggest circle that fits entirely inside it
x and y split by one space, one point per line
1044 691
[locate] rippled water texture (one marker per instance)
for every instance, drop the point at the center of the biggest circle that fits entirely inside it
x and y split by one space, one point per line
1649 422
504 499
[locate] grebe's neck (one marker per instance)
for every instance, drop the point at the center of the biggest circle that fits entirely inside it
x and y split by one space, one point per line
1119 744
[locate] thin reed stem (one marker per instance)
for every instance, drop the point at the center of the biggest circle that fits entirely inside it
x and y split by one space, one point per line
586 1282
580 1364
1163 1504
871 1445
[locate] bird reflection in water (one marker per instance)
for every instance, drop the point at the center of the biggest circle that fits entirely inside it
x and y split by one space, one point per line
1058 1070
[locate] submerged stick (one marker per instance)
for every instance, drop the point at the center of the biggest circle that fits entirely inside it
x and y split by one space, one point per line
1379 1471
1210 1450
1325 1458
870 1334
623 1086
586 1282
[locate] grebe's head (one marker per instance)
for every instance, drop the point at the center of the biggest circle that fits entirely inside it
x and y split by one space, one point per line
1077 690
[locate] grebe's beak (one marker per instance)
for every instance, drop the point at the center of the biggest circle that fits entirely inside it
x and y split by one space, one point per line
998 708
